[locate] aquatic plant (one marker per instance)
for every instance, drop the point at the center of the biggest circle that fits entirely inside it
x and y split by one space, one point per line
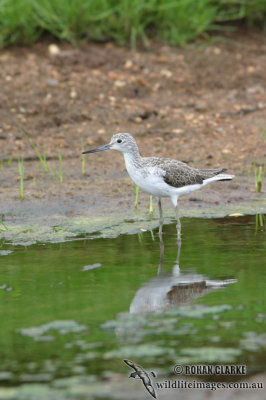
52 170
83 160
60 164
21 174
151 209
9 161
3 224
263 131
259 222
42 158
140 237
137 197
258 177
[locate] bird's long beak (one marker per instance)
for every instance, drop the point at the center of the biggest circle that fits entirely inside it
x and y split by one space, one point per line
101 148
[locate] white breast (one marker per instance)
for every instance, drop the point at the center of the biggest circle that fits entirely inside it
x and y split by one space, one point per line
149 181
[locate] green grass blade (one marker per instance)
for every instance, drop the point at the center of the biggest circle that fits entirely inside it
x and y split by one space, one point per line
125 21
60 165
83 161
3 224
41 158
21 174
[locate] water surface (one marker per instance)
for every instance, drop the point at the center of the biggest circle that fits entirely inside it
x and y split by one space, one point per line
81 307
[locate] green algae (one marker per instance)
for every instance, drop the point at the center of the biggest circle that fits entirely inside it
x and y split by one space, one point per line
57 229
209 354
5 252
253 342
141 351
198 311
62 327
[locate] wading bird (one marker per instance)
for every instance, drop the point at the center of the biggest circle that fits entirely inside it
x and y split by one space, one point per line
161 177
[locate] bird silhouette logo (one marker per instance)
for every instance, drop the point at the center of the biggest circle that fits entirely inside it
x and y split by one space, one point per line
140 373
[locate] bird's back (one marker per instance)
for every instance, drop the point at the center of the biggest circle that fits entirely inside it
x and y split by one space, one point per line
177 173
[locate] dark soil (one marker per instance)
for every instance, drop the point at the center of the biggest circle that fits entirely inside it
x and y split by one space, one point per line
205 105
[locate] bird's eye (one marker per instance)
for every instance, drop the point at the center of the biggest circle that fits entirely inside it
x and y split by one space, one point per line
119 140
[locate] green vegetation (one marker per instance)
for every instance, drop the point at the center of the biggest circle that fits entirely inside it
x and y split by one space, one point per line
83 160
151 209
260 222
9 161
21 174
60 165
175 21
42 158
263 131
258 177
137 197
3 225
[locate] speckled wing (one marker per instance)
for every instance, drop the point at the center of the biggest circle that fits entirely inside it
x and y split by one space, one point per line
179 174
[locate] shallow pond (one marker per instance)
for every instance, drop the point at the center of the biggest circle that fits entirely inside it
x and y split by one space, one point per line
81 307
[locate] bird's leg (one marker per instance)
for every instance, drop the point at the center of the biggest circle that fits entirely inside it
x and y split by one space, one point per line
137 198
178 230
160 268
161 217
151 210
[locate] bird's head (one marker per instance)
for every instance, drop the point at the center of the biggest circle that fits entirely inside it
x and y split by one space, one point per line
123 142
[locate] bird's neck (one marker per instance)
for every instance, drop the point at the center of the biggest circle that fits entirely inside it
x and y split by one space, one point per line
132 159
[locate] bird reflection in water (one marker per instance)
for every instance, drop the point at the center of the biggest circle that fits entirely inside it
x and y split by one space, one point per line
179 288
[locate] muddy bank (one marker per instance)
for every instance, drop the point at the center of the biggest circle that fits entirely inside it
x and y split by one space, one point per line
58 221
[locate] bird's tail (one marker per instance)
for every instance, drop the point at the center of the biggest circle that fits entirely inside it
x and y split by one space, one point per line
224 177
219 177
212 175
